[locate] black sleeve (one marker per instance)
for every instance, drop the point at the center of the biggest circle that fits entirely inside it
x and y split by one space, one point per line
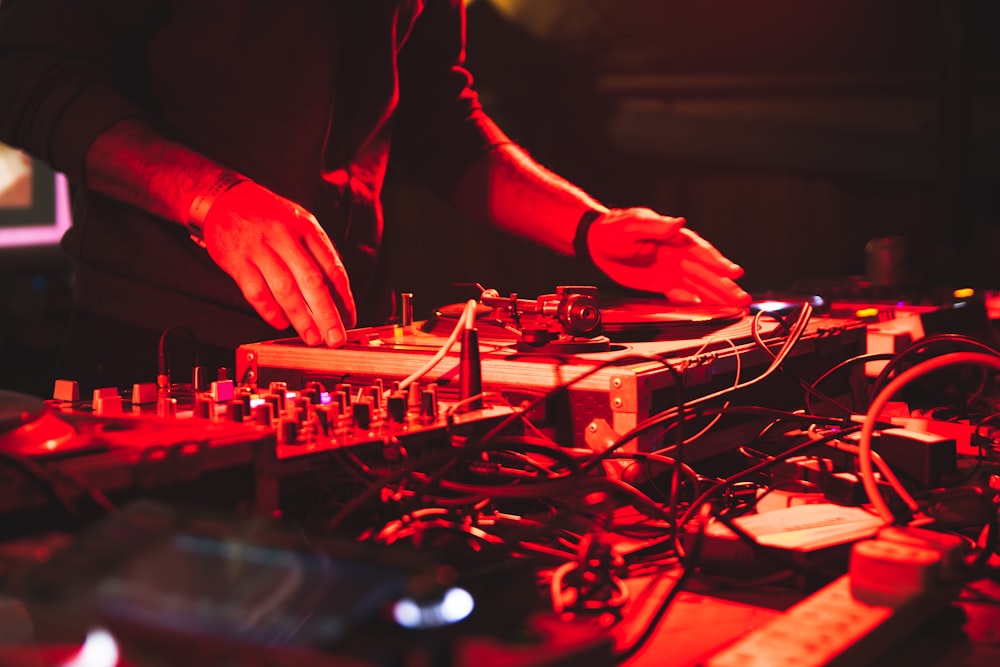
440 127
67 73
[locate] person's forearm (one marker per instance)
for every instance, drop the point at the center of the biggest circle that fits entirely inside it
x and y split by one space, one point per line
132 163
511 190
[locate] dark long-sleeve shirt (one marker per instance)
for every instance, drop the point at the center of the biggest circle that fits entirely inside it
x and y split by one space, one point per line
306 97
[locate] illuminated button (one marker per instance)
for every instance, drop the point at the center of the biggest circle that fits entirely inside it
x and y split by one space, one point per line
964 293
866 312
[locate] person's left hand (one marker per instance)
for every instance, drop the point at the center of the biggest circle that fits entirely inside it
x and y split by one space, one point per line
643 250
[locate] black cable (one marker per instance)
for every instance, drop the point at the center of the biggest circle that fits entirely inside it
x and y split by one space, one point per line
668 415
163 358
702 411
809 388
861 358
922 346
480 444
651 626
763 465
477 445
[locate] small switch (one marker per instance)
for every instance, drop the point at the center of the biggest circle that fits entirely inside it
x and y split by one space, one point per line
66 391
144 393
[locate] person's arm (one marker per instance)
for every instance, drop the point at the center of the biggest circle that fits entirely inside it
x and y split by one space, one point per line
63 69
275 250
635 247
457 150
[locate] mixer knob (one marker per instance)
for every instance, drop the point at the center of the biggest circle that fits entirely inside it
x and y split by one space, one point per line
428 404
413 396
204 407
199 378
166 406
397 406
363 413
107 402
235 411
264 414
276 403
375 393
288 431
347 389
144 393
323 418
339 401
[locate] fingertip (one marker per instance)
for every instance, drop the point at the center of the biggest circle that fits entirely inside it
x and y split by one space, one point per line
335 337
279 321
311 337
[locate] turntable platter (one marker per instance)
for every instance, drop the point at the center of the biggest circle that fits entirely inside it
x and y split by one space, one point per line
646 319
625 319
29 428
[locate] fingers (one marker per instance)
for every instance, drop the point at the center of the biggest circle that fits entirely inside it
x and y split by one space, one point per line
698 249
284 263
634 236
257 293
304 284
693 276
333 269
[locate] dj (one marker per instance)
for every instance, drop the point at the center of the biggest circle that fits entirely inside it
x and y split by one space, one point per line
227 159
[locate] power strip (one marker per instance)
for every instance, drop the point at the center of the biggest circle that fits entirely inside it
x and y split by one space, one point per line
850 623
830 628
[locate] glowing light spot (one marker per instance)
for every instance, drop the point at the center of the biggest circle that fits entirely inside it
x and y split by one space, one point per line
964 293
455 605
407 613
866 312
770 306
99 650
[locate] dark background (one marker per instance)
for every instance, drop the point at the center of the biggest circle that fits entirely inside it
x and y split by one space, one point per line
788 133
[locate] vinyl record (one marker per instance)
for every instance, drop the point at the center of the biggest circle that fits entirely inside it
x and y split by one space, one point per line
444 319
625 319
629 319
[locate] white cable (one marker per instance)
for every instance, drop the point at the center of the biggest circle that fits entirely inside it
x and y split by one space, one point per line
879 403
468 315
736 384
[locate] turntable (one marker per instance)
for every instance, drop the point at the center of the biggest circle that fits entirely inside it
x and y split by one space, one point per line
529 347
579 322
68 449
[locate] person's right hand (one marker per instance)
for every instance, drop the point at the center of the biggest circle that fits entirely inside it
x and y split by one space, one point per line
283 262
